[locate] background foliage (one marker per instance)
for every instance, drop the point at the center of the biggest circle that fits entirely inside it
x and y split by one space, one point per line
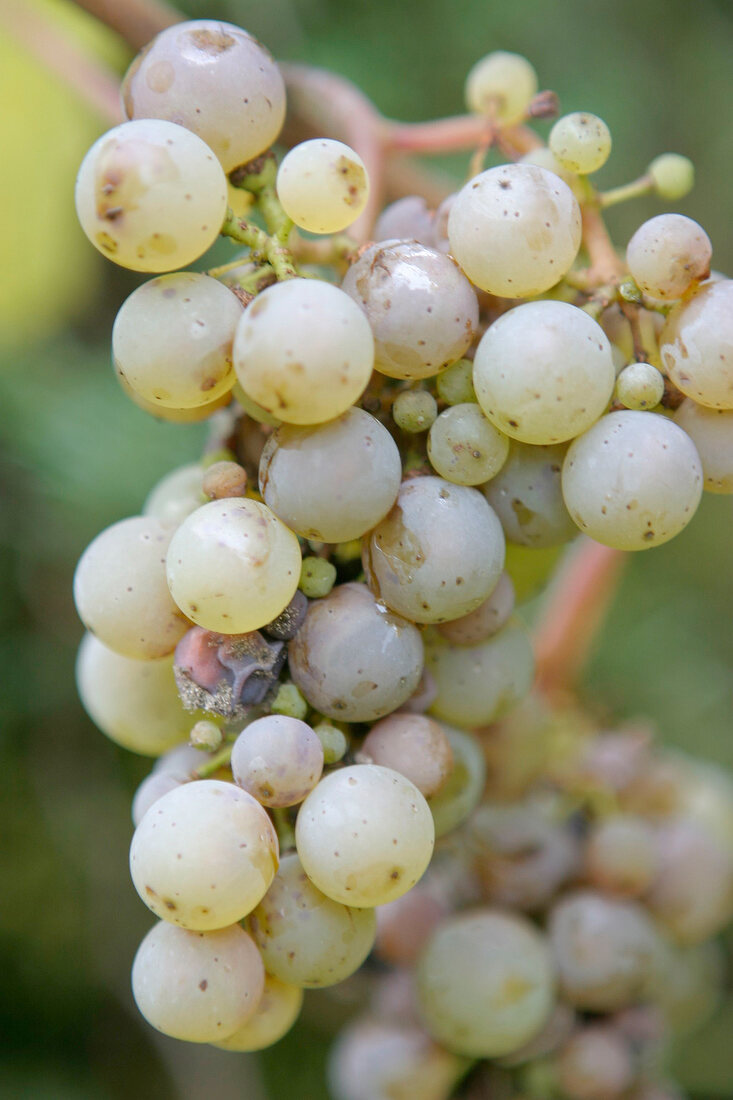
76 455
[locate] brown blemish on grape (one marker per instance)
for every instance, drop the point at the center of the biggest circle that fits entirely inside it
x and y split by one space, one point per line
211 41
203 985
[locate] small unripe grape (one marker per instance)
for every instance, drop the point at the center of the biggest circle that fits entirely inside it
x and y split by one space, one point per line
640 386
323 185
501 85
206 735
317 577
333 741
667 254
455 384
464 447
673 176
414 411
581 142
289 702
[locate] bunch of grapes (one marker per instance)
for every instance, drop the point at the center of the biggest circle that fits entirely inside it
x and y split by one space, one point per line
313 627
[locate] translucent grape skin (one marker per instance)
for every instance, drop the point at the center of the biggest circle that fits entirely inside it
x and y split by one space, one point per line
151 196
667 254
543 372
304 351
413 745
277 1010
172 340
306 938
526 495
204 856
421 308
352 659
332 482
464 447
197 986
454 803
278 760
581 142
711 430
634 480
515 230
232 566
501 85
412 561
323 185
120 590
488 618
485 983
176 495
696 345
364 835
214 79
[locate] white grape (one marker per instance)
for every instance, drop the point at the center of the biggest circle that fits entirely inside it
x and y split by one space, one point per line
464 447
172 340
197 986
515 230
332 482
233 566
277 1010
365 835
407 219
667 254
696 345
526 495
543 372
413 745
581 142
153 787
304 351
488 618
639 386
214 79
501 85
305 938
277 759
176 495
151 196
711 430
204 855
323 185
633 481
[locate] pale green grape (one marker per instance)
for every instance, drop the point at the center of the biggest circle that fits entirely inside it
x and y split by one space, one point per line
134 703
462 793
176 495
306 938
352 659
581 142
277 759
413 745
204 856
667 254
464 447
278 1009
323 185
639 386
543 372
515 230
304 351
438 554
233 566
172 340
711 430
317 577
689 984
478 684
485 983
633 481
332 482
414 411
422 310
214 79
696 345
527 496
175 416
151 196
364 835
333 740
120 590
454 385
673 176
501 85
543 157
197 986
488 618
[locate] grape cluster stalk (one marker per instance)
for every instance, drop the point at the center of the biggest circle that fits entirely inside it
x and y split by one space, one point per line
361 754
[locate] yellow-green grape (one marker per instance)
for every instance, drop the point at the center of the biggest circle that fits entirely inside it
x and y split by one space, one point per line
277 759
696 345
289 702
172 340
688 985
277 1010
530 569
639 386
478 684
667 254
464 447
333 741
175 416
515 230
501 85
485 983
306 938
176 495
543 157
317 577
414 411
581 142
205 856
233 566
365 835
197 986
462 793
673 176
633 481
711 430
454 385
151 196
135 703
323 185
120 590
252 409
304 351
214 79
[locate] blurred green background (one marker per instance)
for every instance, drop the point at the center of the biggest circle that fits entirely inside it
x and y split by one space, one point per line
76 455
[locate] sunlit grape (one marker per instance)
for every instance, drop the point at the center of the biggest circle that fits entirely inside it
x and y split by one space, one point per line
322 185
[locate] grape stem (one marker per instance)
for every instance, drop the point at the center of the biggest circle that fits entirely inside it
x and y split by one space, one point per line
263 248
605 265
213 763
634 190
